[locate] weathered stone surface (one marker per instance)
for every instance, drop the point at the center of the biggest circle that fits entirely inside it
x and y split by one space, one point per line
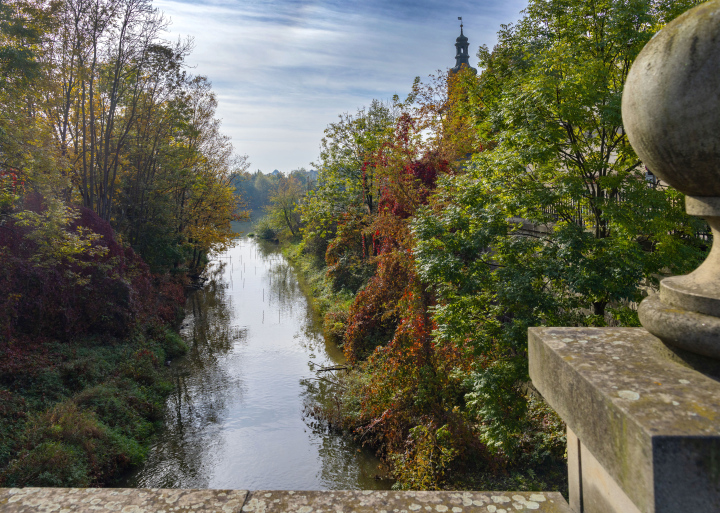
67 500
671 113
680 327
671 102
404 502
124 500
652 423
592 489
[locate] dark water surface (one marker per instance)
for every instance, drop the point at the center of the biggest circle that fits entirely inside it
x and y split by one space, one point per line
237 417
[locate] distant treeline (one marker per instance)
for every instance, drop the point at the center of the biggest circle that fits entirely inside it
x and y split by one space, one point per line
256 189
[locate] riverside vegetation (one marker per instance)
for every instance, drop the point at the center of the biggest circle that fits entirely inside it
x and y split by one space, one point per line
441 227
115 184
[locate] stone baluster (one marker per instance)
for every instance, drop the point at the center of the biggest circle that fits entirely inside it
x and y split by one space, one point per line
671 111
642 406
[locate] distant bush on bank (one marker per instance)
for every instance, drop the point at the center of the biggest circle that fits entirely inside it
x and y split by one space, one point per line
265 230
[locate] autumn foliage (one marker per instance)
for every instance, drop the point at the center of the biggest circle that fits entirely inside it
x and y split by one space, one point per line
402 398
408 393
103 288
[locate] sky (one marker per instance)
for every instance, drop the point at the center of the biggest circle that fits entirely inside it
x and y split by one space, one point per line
282 70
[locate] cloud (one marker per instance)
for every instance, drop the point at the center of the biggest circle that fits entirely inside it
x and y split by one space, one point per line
284 69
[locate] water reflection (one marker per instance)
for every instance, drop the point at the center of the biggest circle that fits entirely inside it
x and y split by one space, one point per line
237 417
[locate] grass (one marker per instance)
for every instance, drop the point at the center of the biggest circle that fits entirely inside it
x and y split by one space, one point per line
82 413
331 305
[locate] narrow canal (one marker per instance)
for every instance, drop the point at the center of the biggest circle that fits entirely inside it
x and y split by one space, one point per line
237 417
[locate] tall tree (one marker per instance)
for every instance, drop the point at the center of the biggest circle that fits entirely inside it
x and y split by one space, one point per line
555 223
285 198
347 167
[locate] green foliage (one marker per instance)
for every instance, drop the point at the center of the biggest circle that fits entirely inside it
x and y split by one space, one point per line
555 223
51 464
347 256
347 183
54 242
266 229
551 222
428 457
283 210
255 189
81 413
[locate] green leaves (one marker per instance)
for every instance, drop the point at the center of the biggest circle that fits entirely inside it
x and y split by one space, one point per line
554 224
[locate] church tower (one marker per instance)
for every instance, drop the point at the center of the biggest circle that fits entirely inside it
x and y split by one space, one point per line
461 54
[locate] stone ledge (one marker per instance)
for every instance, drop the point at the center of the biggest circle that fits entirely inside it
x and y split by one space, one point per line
127 500
404 502
652 423
124 500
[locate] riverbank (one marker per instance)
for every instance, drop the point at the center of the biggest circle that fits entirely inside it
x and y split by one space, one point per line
451 456
85 333
82 412
238 416
330 305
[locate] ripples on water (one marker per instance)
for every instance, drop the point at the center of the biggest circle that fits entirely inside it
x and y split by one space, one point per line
235 418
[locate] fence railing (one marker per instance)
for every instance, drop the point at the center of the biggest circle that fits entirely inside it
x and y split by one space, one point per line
581 214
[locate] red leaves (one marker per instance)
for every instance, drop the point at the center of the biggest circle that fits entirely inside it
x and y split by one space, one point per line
104 292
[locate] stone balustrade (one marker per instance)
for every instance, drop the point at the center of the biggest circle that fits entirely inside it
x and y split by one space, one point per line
642 406
46 500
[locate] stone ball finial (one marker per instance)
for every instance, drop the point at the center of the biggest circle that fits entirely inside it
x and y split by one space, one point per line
671 113
671 102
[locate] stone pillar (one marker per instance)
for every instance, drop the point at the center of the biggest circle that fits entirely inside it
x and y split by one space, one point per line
642 406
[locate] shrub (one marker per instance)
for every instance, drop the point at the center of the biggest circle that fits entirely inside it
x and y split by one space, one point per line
49 464
334 326
265 229
64 274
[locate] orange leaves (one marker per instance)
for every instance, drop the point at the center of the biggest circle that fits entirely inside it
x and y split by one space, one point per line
373 314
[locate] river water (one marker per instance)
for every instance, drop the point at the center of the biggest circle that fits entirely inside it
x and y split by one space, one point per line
237 417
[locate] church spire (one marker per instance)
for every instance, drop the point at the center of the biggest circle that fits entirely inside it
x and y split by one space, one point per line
461 54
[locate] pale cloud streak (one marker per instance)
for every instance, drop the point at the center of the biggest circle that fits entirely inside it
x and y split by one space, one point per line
284 69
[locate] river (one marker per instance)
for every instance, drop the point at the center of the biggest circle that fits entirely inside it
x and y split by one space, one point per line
237 417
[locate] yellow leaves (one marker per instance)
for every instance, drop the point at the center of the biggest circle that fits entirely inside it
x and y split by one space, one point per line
211 208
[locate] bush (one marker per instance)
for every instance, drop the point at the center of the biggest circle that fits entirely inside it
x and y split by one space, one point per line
64 275
81 413
173 344
49 464
265 230
123 406
12 420
334 326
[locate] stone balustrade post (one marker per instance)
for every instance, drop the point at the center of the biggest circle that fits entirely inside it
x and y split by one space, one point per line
642 406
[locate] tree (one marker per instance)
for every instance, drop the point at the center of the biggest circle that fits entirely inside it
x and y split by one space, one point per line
285 197
554 224
348 160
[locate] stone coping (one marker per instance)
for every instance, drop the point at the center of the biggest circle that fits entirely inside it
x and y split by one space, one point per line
651 422
404 502
124 500
130 500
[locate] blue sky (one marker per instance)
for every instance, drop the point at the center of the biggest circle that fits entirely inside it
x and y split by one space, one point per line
283 69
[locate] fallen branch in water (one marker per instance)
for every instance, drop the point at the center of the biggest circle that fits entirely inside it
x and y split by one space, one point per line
339 367
337 384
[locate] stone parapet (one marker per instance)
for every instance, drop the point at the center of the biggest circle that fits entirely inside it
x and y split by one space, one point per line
67 500
125 500
643 427
405 502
